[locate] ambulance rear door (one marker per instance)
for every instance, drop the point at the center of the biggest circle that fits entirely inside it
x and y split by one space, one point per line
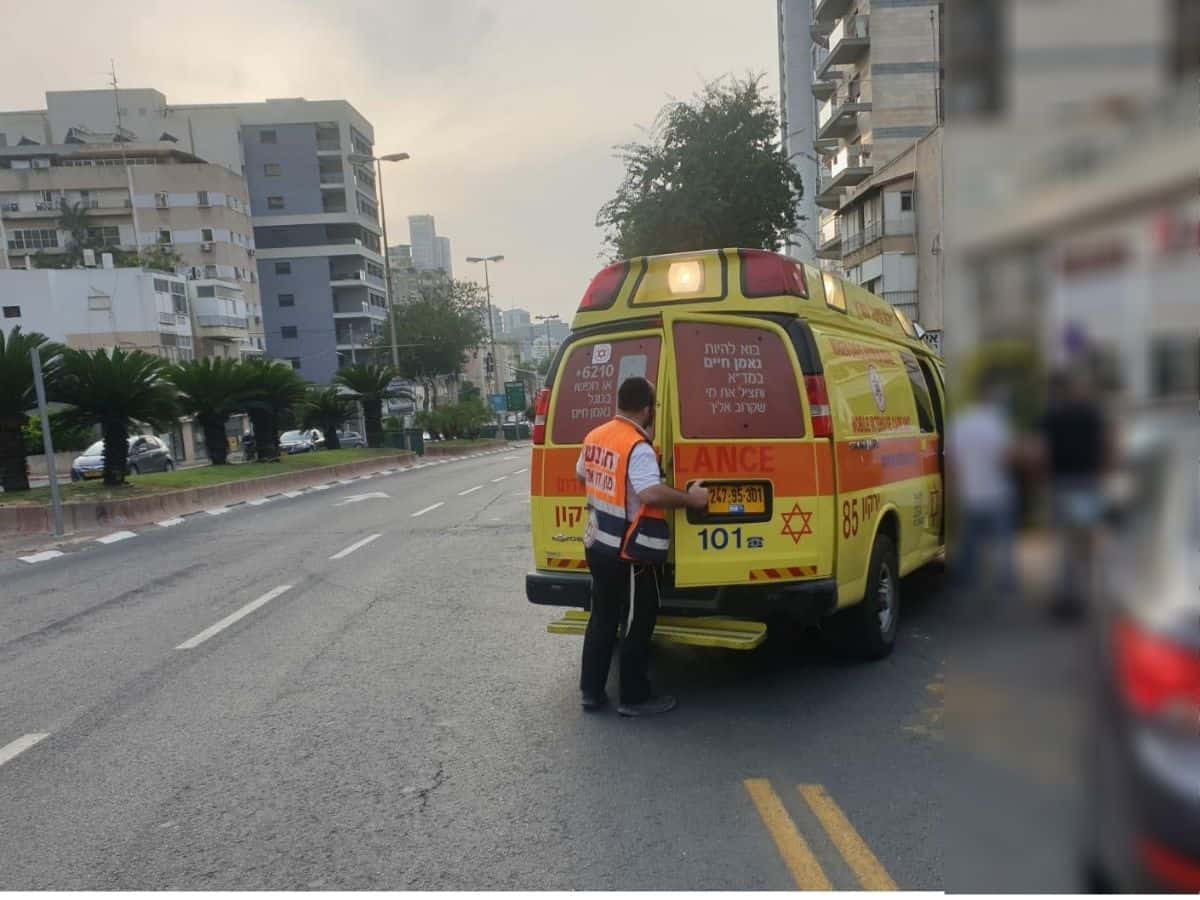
739 422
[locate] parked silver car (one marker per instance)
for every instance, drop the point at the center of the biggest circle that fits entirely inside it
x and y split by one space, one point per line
348 439
146 454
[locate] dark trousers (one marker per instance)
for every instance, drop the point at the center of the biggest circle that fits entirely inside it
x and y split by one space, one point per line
611 601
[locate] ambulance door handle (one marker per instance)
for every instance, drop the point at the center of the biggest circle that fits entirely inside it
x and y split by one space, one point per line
868 444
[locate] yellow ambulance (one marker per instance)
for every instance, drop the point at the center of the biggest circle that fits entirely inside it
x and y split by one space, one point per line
806 405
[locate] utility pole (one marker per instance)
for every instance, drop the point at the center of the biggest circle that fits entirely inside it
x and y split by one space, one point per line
47 441
118 137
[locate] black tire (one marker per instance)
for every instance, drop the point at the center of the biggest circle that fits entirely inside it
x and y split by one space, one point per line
170 466
133 469
861 631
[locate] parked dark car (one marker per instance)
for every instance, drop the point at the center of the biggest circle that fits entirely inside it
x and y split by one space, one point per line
146 454
1142 821
304 441
347 439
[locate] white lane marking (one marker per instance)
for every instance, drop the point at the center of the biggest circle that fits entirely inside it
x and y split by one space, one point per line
478 487
41 557
292 494
341 554
501 478
359 498
527 500
345 481
19 746
250 607
512 457
170 523
320 487
217 511
258 501
421 512
520 471
116 536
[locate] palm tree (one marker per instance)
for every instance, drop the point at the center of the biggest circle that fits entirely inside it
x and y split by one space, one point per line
326 409
211 390
272 388
370 383
74 219
17 398
115 389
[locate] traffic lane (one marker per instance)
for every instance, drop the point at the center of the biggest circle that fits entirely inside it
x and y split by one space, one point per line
71 627
435 740
232 726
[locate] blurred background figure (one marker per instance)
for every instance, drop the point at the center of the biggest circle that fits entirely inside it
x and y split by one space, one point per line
981 453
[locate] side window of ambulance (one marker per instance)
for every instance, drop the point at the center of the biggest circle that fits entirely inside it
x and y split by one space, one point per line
735 381
920 391
589 378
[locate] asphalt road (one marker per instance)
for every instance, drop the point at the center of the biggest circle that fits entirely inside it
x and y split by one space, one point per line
389 712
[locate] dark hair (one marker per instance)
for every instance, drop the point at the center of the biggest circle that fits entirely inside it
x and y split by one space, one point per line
635 394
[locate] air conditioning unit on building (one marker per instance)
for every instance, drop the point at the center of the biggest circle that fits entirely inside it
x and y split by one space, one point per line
206 246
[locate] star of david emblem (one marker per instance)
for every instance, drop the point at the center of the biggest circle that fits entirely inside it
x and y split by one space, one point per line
789 527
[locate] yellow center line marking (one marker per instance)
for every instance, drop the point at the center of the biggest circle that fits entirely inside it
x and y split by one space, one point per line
871 874
805 869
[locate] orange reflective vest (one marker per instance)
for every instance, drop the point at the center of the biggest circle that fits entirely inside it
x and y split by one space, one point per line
606 452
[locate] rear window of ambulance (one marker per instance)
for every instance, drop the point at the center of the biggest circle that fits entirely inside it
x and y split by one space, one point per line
735 382
588 382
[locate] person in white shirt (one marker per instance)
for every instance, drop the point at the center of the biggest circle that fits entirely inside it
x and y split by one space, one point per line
981 451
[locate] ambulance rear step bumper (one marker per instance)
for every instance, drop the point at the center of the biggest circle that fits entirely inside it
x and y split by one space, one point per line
805 602
730 634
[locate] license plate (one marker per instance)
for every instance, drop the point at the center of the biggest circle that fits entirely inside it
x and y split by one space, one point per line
737 500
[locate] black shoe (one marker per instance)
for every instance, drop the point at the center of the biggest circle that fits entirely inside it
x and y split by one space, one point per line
594 702
650 707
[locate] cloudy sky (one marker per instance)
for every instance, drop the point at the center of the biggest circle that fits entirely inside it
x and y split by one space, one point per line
510 108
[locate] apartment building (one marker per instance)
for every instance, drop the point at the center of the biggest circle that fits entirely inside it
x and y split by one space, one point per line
430 251
137 196
94 308
862 100
314 211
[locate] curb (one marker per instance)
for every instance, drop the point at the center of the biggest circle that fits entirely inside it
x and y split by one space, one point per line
140 510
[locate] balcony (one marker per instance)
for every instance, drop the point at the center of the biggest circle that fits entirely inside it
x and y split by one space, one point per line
829 240
829 10
825 80
838 116
849 40
328 145
851 166
828 196
333 179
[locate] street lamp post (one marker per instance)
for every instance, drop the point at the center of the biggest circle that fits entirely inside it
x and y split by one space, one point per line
487 286
553 317
387 261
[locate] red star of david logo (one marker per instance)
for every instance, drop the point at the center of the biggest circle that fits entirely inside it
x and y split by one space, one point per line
805 523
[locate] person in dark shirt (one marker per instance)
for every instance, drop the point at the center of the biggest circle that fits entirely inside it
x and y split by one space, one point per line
1076 449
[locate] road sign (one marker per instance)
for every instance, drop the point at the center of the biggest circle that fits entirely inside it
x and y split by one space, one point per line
496 402
514 393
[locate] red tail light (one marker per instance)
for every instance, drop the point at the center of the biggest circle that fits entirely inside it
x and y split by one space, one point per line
541 406
818 404
1156 677
766 274
602 292
1170 868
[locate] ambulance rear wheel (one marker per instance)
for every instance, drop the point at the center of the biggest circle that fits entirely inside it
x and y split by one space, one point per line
867 630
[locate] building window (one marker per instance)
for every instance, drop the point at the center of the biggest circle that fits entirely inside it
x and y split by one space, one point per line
104 236
164 235
206 235
288 332
906 201
202 198
162 199
272 170
295 361
283 268
33 239
206 290
287 299
12 312
274 203
267 136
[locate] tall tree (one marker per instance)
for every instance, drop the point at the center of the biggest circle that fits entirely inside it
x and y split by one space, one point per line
370 383
74 219
711 174
211 390
17 398
115 389
325 408
272 389
436 330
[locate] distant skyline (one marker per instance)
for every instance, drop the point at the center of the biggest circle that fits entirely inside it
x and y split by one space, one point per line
512 150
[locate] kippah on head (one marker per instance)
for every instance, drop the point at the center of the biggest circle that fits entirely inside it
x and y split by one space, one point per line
635 394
